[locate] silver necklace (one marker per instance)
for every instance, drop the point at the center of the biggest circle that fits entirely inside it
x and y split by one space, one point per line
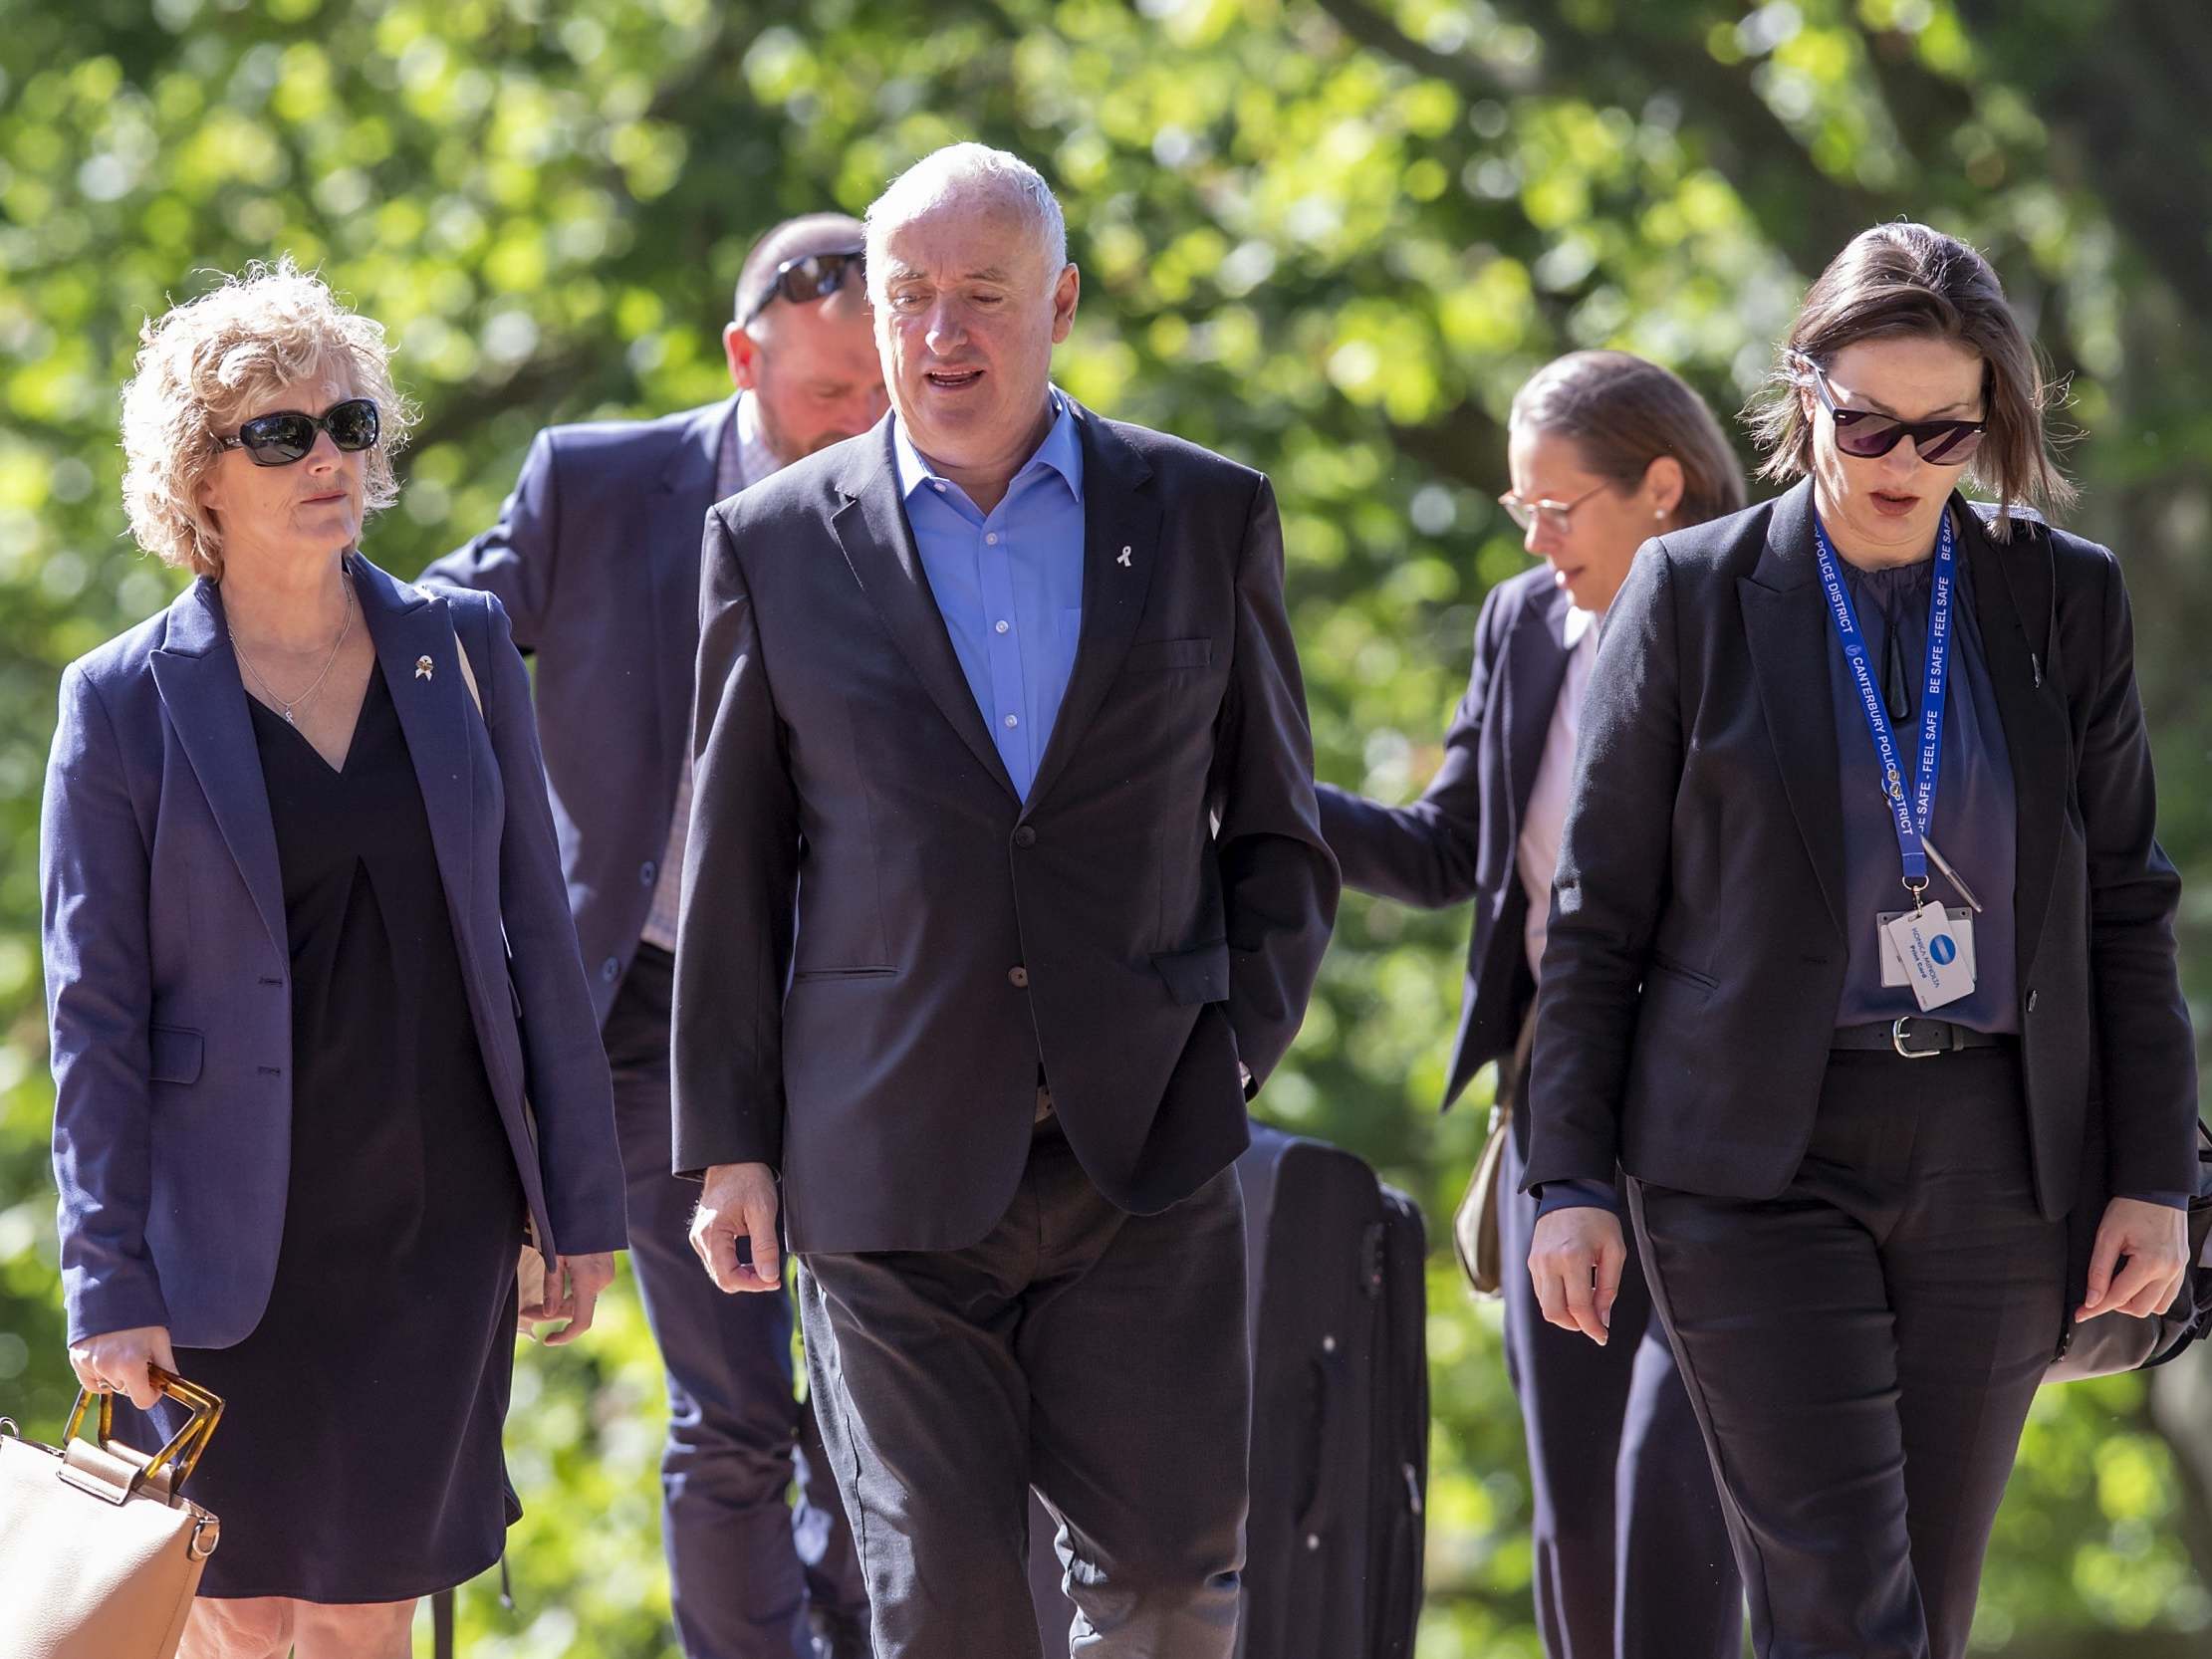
304 698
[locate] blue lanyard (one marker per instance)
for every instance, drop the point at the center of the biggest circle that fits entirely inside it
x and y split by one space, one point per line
1911 814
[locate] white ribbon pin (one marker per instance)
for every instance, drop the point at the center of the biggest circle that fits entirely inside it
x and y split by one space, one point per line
1124 561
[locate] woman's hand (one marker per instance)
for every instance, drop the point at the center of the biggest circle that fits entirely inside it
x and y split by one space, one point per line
572 1288
2147 1246
1576 1259
117 1362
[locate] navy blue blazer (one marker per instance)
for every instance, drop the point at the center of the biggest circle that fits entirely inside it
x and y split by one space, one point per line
168 972
596 557
1459 840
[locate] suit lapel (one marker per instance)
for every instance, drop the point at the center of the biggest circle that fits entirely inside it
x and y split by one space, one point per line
407 625
2037 735
675 524
1534 669
1786 625
878 545
1121 550
196 672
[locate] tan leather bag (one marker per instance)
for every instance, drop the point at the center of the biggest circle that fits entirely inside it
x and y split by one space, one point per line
1475 1224
99 1557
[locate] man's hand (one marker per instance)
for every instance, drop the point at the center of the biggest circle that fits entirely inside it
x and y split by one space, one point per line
117 1362
570 1290
2153 1241
738 1200
1576 1259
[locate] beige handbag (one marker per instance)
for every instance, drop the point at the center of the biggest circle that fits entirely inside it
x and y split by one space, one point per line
99 1555
1475 1224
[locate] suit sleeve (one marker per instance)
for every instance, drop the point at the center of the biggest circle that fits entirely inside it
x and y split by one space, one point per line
515 561
1278 879
740 888
1424 854
95 868
1616 853
2146 1045
571 1093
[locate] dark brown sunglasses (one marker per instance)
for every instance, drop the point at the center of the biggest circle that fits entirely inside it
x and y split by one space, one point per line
1867 435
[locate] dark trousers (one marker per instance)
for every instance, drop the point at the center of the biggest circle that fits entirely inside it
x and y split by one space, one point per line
1862 1349
1631 1549
1099 1355
747 1577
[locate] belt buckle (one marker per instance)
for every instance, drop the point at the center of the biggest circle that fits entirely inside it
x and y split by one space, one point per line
1897 1041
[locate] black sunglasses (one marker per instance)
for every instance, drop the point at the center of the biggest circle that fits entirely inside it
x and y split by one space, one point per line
278 440
809 278
1867 435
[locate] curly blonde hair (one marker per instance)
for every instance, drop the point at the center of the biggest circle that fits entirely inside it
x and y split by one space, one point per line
203 364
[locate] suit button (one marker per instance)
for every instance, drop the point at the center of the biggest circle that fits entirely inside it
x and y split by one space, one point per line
1025 836
610 969
1018 977
646 871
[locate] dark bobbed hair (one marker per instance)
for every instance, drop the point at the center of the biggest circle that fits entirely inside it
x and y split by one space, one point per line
1907 281
1624 413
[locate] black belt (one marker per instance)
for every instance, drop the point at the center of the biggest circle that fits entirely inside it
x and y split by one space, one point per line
1913 1036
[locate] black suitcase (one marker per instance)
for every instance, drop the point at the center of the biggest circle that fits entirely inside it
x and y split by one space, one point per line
1340 1413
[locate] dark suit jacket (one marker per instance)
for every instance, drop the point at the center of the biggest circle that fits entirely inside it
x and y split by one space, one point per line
596 557
1459 841
1703 862
169 973
881 942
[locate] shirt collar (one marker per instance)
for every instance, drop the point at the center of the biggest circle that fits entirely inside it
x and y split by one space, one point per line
1061 450
754 457
1578 623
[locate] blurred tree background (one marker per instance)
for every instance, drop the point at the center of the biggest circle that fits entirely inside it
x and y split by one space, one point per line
1327 236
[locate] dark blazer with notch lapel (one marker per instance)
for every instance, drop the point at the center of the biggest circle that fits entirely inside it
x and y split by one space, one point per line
168 962
599 625
1693 969
1460 841
881 942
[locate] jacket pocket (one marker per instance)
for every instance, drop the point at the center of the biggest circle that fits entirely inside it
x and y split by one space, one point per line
1148 655
1197 974
1667 965
802 974
176 1053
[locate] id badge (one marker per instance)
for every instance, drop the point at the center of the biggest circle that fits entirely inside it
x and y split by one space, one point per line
1892 965
1928 944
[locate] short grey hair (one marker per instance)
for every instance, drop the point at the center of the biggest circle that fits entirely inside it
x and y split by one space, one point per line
203 364
959 170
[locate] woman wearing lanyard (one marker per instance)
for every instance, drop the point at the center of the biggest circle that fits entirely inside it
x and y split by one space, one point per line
1893 941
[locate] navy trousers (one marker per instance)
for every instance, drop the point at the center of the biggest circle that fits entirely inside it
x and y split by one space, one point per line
749 1578
1631 1549
1862 1349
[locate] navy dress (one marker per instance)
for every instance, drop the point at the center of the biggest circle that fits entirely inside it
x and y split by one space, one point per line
359 1457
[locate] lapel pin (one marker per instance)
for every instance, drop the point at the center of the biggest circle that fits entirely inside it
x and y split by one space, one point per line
1124 561
423 668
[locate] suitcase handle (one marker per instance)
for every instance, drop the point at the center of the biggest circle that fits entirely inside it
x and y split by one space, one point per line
1331 1424
183 1453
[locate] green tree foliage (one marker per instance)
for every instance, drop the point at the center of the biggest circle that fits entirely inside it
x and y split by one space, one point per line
1328 236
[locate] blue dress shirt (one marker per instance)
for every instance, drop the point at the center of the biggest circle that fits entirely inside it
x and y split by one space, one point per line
1008 584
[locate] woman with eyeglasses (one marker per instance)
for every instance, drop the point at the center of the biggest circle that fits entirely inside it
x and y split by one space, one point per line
1862 961
322 1045
1605 451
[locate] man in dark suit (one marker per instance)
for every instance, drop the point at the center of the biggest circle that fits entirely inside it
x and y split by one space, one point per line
1004 888
596 557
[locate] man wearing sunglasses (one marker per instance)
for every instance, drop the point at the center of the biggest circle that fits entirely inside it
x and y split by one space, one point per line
595 555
